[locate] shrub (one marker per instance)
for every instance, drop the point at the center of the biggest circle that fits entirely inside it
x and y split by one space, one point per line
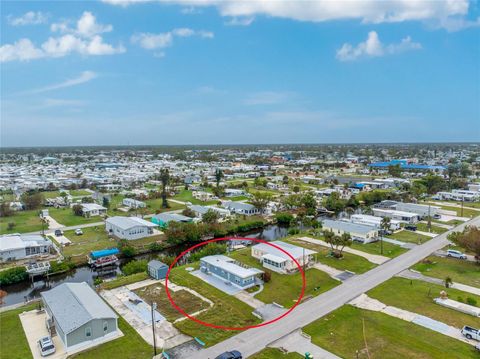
293 231
56 267
13 275
11 225
97 281
460 299
284 218
128 251
267 276
133 267
155 247
472 301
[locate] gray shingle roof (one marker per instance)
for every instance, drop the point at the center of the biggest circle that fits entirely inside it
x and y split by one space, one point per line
75 304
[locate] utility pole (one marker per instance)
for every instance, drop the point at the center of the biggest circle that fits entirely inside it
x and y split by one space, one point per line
429 219
463 200
154 307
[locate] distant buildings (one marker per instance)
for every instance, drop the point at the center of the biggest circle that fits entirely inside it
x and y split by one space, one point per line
133 203
78 316
241 208
129 228
21 246
405 165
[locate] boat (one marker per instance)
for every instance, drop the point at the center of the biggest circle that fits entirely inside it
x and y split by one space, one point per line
104 257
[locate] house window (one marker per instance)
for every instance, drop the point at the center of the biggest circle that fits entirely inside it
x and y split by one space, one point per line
88 332
105 326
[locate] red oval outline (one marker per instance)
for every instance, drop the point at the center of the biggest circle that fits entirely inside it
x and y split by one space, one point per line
234 328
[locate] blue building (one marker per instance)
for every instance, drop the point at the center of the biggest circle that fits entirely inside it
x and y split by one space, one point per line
227 268
404 165
157 269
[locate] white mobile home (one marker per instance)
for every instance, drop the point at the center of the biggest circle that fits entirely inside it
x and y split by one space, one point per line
20 246
404 217
359 232
129 228
373 221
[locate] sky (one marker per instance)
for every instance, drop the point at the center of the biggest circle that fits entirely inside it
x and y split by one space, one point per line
166 72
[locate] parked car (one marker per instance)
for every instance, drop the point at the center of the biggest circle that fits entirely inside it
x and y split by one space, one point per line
78 232
471 333
234 354
58 232
411 227
456 254
437 216
46 346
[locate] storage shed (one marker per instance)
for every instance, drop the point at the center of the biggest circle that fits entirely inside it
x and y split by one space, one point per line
157 269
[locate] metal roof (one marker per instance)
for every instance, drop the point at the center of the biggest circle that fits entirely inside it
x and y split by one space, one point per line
167 217
75 304
295 251
347 226
129 222
18 241
229 265
156 264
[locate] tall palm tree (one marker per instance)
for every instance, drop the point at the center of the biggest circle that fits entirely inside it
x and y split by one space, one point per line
385 226
165 178
218 176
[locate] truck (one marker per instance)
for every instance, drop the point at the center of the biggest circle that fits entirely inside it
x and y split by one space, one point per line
471 333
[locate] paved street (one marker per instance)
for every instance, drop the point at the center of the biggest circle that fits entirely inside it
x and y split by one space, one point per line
253 340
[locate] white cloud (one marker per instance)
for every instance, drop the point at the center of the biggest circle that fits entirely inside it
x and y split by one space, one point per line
267 98
373 47
368 11
240 21
84 77
84 39
151 41
29 18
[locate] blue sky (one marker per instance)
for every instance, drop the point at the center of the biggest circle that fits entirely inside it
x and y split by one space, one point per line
207 72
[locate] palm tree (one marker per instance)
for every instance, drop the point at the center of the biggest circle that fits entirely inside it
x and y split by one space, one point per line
165 178
384 226
218 176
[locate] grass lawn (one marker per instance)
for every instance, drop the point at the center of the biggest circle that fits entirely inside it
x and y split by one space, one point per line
435 229
284 289
467 212
389 249
95 238
66 217
417 296
51 194
409 236
12 335
79 192
274 353
227 310
341 332
130 346
155 205
25 221
460 271
124 280
236 198
350 262
186 196
185 300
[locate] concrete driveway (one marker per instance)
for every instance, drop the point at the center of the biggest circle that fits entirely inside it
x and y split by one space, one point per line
33 323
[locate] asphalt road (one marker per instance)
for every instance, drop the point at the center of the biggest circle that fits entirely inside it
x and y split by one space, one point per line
253 340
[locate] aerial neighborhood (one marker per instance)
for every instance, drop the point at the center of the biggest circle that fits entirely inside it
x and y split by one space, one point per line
259 219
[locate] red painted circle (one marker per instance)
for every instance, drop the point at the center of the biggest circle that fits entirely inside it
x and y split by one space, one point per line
234 328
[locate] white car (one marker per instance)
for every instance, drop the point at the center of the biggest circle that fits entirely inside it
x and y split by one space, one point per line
456 254
78 232
46 346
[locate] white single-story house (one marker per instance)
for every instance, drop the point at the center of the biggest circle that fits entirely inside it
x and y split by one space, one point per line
359 232
241 208
458 195
405 217
92 210
234 192
203 196
78 315
129 228
373 221
20 246
423 210
227 268
278 261
201 210
133 203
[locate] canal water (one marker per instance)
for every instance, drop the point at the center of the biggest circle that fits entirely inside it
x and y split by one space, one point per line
20 292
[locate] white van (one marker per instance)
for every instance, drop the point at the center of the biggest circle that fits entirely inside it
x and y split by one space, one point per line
456 254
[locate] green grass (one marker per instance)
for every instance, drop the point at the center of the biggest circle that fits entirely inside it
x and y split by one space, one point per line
389 249
96 238
187 196
124 280
284 289
184 299
227 310
341 332
350 262
460 271
155 205
25 221
409 236
274 353
51 194
467 212
130 346
435 229
417 296
12 335
79 192
66 217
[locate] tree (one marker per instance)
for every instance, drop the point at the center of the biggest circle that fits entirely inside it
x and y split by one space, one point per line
395 171
210 217
337 243
77 210
285 180
218 176
165 178
468 239
188 212
5 209
385 227
106 202
32 200
260 200
335 203
284 218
